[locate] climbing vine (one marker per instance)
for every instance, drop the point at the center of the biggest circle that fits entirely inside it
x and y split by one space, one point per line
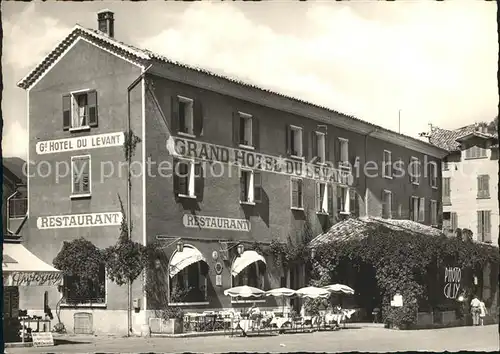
130 145
401 261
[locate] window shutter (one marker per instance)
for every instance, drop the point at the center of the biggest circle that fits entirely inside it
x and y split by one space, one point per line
294 191
199 181
421 216
487 226
336 151
66 107
411 209
243 186
479 187
92 104
486 185
300 193
454 221
354 203
85 176
174 119
479 225
318 197
236 128
384 204
176 178
331 195
255 132
306 151
198 118
327 148
287 139
340 193
257 186
314 145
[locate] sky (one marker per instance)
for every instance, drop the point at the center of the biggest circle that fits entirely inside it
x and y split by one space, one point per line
434 61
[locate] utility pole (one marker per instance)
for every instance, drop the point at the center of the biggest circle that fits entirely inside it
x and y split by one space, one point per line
399 121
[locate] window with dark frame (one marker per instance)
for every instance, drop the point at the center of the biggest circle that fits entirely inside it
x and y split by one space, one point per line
483 186
252 275
192 281
322 195
246 129
387 204
484 225
387 164
18 207
85 291
186 115
296 148
80 110
80 170
297 197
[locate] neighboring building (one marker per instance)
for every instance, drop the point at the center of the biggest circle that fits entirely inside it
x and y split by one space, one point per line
470 180
88 91
14 202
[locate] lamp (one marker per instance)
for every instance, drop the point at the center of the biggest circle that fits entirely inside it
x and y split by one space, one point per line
241 249
313 252
180 246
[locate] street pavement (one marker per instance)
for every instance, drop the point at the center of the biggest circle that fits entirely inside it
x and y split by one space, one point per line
363 339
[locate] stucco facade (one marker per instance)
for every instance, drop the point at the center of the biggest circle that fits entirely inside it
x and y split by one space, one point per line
89 60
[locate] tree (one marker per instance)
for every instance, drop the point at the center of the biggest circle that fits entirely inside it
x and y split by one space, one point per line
82 260
493 126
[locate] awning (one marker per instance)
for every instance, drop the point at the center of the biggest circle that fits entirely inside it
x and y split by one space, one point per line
20 267
243 261
181 260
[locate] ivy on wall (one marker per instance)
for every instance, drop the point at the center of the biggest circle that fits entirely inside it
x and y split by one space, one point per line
401 260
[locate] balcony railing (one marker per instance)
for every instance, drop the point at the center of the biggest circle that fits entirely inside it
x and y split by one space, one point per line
18 208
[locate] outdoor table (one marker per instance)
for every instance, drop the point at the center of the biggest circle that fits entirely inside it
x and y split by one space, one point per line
27 321
244 324
279 321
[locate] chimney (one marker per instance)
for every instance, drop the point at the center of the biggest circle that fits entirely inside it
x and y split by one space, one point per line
105 22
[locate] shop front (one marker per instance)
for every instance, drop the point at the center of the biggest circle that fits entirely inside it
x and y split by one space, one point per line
22 268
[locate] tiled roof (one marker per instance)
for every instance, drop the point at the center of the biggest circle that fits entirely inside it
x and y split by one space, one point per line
359 228
146 57
447 139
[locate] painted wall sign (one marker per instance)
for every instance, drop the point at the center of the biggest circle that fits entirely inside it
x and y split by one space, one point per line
249 159
80 143
452 278
79 220
215 222
42 339
32 279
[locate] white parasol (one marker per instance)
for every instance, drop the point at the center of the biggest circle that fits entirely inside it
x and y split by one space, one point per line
313 292
281 292
244 291
339 288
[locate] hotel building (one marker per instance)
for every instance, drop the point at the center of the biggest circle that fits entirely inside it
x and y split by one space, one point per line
93 97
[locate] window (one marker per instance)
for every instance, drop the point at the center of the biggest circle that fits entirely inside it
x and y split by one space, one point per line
433 176
188 178
475 152
414 170
434 213
343 151
80 172
80 110
421 210
186 124
484 225
18 207
446 166
295 141
252 275
245 129
386 204
190 284
319 146
250 186
343 200
387 171
322 198
453 221
483 186
297 193
85 291
414 208
446 191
